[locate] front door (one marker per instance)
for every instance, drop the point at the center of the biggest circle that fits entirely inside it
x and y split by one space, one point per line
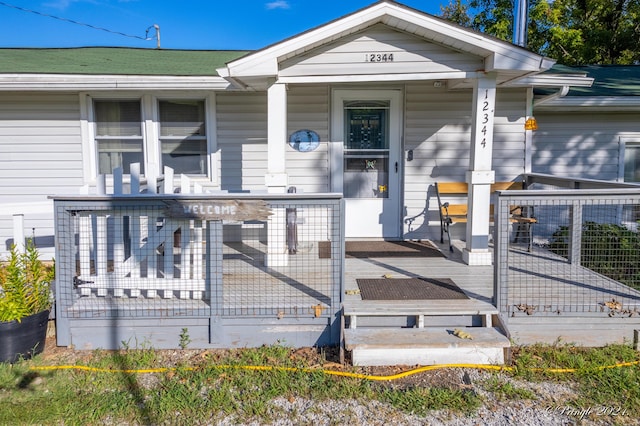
365 160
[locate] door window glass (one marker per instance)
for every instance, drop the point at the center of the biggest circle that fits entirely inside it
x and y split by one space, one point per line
366 150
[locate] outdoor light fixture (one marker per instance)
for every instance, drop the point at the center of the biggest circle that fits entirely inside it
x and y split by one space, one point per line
531 124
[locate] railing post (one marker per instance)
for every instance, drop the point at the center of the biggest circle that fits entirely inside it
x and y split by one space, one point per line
575 233
501 251
213 266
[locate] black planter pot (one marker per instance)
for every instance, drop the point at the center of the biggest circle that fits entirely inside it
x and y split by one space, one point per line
23 339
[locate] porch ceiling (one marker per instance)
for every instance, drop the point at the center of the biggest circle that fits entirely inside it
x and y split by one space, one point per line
255 70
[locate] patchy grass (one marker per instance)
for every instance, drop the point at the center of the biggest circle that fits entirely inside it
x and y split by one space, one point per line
503 389
597 386
209 386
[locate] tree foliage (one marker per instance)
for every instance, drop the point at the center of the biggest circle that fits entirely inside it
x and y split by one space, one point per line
574 32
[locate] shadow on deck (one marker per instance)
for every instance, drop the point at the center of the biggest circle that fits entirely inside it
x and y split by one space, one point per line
545 300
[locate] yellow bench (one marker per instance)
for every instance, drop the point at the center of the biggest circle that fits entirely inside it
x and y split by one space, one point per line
458 213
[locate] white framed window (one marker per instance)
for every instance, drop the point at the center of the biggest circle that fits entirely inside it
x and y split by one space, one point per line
631 160
153 131
183 135
118 134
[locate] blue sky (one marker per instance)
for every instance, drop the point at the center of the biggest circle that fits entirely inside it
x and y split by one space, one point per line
186 24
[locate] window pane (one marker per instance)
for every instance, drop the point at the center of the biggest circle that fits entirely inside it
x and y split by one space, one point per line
183 135
366 126
182 118
114 153
187 156
366 175
118 118
632 163
366 150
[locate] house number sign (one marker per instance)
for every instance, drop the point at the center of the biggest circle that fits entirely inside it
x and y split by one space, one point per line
378 57
235 210
486 108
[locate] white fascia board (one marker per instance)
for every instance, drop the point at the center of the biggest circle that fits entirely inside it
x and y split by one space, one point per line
75 82
265 62
553 80
592 103
510 60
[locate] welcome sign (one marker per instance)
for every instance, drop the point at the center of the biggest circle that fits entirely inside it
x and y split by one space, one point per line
234 210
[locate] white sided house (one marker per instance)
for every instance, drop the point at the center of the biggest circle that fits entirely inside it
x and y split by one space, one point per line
376 106
394 100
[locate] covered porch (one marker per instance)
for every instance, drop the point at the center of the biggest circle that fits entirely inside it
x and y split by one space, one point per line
134 269
402 99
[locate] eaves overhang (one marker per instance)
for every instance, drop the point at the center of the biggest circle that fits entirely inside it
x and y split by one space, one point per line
553 80
592 103
75 82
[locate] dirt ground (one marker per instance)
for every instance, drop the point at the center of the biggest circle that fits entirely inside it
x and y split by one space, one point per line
326 358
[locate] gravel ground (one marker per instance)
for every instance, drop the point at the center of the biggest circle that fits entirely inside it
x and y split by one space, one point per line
549 408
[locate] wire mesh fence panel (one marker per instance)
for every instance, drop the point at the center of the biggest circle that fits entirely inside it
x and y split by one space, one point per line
130 262
160 257
281 267
584 256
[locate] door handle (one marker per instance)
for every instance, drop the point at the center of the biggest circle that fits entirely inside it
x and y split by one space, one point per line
396 167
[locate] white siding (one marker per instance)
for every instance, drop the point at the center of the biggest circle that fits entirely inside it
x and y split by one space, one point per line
437 129
509 134
308 108
242 140
350 56
581 144
40 155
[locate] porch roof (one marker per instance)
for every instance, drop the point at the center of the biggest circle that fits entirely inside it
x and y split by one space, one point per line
509 61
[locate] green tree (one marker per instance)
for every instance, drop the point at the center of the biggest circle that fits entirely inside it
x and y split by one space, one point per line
458 12
574 32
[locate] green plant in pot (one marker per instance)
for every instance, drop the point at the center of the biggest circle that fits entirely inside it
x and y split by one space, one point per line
25 301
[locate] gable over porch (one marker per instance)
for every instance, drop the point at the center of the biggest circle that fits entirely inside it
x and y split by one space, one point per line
374 55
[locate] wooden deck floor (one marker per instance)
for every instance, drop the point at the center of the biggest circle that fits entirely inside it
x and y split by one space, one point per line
475 281
571 304
537 279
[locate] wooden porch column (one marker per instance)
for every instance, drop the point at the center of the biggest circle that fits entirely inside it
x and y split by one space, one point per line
480 176
276 178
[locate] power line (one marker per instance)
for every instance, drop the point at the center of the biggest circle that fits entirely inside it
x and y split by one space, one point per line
145 38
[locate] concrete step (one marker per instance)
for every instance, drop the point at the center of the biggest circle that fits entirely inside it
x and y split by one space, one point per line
425 346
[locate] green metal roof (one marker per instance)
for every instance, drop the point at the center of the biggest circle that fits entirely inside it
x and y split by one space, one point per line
609 80
115 61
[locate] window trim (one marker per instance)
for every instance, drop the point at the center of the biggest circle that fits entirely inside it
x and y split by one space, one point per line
150 125
625 141
161 138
